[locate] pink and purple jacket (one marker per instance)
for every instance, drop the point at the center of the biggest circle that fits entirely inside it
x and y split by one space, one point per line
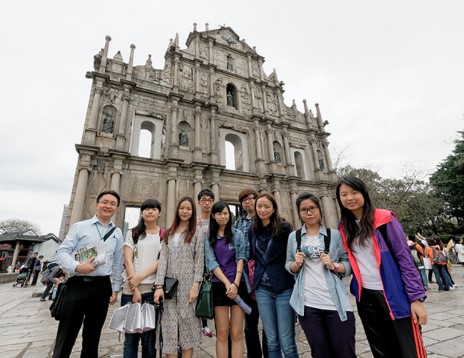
400 278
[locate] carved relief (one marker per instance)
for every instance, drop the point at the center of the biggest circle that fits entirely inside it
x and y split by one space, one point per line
203 51
271 102
166 74
204 83
245 98
218 91
186 79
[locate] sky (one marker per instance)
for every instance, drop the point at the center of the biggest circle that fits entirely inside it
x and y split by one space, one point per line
388 76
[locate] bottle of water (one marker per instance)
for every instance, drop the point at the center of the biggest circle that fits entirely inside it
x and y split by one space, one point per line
242 304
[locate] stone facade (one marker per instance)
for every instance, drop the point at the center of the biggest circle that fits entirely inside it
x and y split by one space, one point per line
212 92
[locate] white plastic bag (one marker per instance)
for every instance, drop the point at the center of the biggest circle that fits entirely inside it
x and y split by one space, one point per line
118 318
134 318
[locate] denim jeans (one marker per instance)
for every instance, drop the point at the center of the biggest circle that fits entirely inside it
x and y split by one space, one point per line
278 322
131 340
425 282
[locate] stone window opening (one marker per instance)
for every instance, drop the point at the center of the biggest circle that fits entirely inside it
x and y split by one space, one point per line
234 152
299 166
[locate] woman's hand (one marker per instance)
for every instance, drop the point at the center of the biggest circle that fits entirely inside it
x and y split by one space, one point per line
299 259
418 312
136 296
158 296
327 261
193 294
232 291
134 281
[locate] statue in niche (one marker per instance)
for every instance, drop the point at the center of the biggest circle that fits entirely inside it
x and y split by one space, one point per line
203 51
230 66
108 123
230 99
183 137
276 155
254 71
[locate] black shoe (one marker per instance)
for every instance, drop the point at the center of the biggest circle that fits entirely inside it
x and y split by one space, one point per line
42 299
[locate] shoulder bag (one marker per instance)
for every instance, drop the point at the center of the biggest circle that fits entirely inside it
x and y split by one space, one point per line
204 305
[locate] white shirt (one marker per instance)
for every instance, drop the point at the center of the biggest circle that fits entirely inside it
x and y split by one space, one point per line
365 258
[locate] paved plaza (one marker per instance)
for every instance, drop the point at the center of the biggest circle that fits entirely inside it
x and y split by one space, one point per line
28 331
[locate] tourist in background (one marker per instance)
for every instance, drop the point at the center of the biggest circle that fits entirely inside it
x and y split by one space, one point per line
226 253
182 258
443 280
386 283
141 251
243 223
319 296
272 282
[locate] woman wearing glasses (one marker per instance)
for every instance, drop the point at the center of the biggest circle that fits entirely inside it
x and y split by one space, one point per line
319 296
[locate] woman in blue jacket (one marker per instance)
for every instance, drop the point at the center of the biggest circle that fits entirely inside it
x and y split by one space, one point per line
272 283
386 283
319 296
226 253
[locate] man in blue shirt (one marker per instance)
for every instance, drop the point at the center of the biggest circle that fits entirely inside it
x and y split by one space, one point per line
89 290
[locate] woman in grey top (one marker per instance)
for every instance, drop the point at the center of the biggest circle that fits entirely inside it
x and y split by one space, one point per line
319 296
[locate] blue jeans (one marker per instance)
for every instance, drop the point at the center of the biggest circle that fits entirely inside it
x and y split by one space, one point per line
131 340
278 322
425 282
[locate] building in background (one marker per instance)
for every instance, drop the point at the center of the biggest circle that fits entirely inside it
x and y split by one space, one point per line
208 117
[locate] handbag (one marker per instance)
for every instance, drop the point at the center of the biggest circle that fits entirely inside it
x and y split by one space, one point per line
56 308
204 305
170 287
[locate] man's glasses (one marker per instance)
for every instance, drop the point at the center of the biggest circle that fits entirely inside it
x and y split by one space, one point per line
206 201
108 203
248 198
312 209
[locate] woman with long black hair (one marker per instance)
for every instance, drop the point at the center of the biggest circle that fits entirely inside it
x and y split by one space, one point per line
386 283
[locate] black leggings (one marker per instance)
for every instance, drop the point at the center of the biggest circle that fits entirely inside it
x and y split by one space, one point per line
399 338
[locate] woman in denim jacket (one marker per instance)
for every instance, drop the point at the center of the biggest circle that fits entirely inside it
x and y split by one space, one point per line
226 253
319 296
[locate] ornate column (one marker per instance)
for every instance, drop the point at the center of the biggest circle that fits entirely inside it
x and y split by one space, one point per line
121 137
197 153
327 155
79 196
174 133
175 87
131 63
171 195
310 163
312 142
296 214
197 76
330 212
104 58
270 143
214 138
288 158
90 132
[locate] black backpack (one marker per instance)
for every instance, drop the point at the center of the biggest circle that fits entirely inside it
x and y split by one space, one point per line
326 241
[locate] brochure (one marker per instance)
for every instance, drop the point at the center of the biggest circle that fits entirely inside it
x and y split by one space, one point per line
97 251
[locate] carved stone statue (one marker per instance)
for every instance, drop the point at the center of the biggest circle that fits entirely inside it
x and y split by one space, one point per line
276 155
108 123
183 138
230 66
230 99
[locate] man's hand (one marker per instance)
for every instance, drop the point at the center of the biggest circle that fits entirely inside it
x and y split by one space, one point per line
86 267
113 298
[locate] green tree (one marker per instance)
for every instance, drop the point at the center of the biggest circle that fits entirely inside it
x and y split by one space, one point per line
448 181
18 225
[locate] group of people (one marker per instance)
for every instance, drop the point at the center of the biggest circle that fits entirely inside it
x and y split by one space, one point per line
281 273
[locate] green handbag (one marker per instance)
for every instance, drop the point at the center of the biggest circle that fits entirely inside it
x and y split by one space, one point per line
204 306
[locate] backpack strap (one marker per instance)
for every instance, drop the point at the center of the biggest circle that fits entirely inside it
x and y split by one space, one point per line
298 240
162 233
327 241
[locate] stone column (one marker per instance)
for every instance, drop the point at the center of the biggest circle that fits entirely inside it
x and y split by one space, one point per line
79 196
296 214
176 75
121 137
288 158
213 138
211 85
270 143
250 71
197 155
131 63
276 194
330 212
174 132
197 77
310 163
327 155
306 113
104 58
171 201
312 142
90 132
